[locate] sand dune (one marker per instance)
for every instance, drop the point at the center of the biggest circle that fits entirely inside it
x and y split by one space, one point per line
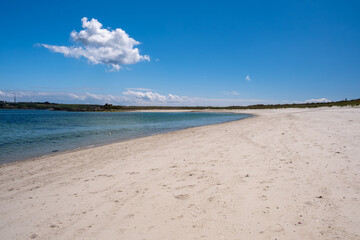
284 174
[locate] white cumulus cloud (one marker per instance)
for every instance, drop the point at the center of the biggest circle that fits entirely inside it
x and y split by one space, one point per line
113 48
128 98
154 97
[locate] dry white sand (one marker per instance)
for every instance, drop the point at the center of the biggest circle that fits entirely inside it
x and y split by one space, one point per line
285 174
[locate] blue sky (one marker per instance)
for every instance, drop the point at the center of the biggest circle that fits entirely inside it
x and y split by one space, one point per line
189 52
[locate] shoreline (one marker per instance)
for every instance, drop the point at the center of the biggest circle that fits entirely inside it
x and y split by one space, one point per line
132 138
285 174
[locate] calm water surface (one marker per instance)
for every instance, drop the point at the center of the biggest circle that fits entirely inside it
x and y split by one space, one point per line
32 133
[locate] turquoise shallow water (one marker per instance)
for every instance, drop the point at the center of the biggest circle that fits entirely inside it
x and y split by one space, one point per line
32 133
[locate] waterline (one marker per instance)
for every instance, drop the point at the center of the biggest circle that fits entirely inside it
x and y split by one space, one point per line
27 134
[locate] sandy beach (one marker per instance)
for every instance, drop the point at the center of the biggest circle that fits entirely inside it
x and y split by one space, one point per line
283 174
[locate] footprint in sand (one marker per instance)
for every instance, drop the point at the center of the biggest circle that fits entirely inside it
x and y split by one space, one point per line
182 196
33 236
276 228
266 211
185 186
130 215
54 226
191 205
263 197
104 175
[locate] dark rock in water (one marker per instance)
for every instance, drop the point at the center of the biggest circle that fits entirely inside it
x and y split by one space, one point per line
55 150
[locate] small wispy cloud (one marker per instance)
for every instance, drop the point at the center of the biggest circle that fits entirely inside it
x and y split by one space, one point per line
247 78
98 45
65 88
58 97
234 93
318 100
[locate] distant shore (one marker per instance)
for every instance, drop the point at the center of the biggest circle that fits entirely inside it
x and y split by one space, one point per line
285 174
119 108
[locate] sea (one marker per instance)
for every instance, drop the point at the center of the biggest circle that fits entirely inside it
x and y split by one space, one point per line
26 134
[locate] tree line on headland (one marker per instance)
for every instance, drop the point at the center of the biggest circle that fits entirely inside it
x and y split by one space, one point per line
110 107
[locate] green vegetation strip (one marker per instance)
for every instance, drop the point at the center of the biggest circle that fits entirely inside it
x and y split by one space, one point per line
116 108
